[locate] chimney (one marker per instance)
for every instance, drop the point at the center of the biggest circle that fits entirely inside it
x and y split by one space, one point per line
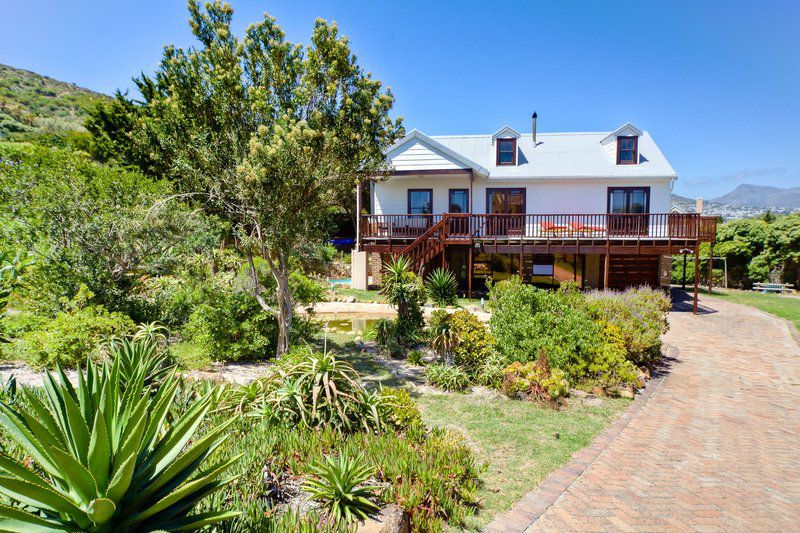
534 128
699 206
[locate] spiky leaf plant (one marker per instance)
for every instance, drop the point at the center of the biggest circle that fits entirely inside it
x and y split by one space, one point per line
139 355
337 488
108 460
442 287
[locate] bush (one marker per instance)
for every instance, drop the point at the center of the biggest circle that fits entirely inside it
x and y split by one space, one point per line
447 377
442 287
232 326
441 335
474 342
104 461
399 411
536 380
406 293
414 357
639 317
73 335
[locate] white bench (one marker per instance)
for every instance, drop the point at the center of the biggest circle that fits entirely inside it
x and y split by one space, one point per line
772 287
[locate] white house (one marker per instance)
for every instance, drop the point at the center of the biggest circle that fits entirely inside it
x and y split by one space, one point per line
592 207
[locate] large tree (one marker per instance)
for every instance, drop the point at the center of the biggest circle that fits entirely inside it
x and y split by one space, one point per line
267 133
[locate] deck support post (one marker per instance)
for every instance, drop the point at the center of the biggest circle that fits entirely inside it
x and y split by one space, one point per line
711 268
606 270
358 216
469 273
696 277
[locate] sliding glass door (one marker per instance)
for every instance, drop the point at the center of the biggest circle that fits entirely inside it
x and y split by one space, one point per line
628 209
506 209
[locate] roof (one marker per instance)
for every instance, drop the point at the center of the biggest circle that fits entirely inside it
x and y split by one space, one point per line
556 155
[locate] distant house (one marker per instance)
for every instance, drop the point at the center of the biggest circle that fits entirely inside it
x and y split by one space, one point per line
593 208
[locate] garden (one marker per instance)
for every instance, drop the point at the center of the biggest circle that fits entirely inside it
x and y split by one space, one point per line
187 232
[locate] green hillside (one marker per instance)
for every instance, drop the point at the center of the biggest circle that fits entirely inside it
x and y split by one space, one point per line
32 104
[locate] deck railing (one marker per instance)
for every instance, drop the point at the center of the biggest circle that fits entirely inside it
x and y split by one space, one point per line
689 226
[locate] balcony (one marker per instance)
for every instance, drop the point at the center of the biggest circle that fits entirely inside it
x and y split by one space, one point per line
467 228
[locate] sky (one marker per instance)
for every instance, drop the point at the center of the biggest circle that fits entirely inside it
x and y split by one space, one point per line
717 84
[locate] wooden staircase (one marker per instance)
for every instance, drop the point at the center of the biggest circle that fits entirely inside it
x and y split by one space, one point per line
428 245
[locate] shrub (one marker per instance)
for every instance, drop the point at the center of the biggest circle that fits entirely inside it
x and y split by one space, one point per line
536 380
339 486
105 460
139 356
443 339
639 317
415 357
490 372
474 344
513 305
406 293
72 335
447 377
399 411
442 287
232 326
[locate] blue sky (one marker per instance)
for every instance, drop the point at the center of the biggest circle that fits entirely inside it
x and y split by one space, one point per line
717 84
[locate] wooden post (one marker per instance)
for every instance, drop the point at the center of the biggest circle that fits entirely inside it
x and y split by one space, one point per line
607 269
469 272
358 216
696 276
711 268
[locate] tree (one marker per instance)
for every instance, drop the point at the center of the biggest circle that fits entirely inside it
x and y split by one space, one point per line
266 133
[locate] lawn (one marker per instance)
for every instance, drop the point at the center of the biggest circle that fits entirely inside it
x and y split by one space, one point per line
782 306
521 442
359 295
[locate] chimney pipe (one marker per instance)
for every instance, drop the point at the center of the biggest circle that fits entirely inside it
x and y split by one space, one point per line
534 128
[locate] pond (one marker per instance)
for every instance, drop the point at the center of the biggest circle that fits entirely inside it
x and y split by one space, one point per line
349 322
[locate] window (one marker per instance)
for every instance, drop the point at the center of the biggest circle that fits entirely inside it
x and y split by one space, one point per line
506 151
627 150
505 201
628 200
459 201
420 201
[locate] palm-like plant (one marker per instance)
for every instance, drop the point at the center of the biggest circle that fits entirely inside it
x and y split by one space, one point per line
405 292
442 287
337 487
107 460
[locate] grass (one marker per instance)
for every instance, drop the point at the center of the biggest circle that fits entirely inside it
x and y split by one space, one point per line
517 439
783 306
359 295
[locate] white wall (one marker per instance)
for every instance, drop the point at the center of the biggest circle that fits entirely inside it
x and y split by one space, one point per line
417 156
545 197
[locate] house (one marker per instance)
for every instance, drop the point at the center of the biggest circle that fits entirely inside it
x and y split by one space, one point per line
589 207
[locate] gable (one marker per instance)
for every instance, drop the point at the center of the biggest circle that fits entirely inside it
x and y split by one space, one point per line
419 155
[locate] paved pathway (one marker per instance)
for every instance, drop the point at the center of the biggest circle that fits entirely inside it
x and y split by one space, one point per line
715 448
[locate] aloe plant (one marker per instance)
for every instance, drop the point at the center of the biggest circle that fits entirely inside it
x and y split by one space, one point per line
442 287
339 486
108 460
139 355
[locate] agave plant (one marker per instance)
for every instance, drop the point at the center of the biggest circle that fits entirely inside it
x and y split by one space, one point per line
139 356
107 460
339 487
442 287
152 331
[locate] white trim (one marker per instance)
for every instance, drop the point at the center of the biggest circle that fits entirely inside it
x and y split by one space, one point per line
506 132
617 132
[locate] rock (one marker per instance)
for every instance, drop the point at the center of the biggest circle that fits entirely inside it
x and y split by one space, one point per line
644 371
577 393
599 391
351 299
627 392
392 519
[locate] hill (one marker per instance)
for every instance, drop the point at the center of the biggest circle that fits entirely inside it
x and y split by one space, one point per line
761 196
32 104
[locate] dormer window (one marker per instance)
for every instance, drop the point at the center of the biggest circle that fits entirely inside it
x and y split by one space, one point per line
506 151
627 150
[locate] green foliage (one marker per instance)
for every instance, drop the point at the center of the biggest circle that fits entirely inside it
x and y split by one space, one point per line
474 342
639 318
139 355
32 105
405 292
339 486
73 335
399 411
108 461
11 268
414 357
443 339
442 287
447 377
90 224
232 326
536 380
314 389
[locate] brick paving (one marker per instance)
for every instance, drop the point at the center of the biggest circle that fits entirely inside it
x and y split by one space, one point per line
714 447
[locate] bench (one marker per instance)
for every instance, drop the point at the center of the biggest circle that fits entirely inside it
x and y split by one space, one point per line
772 287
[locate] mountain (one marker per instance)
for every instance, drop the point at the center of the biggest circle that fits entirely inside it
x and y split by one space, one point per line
32 104
761 196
